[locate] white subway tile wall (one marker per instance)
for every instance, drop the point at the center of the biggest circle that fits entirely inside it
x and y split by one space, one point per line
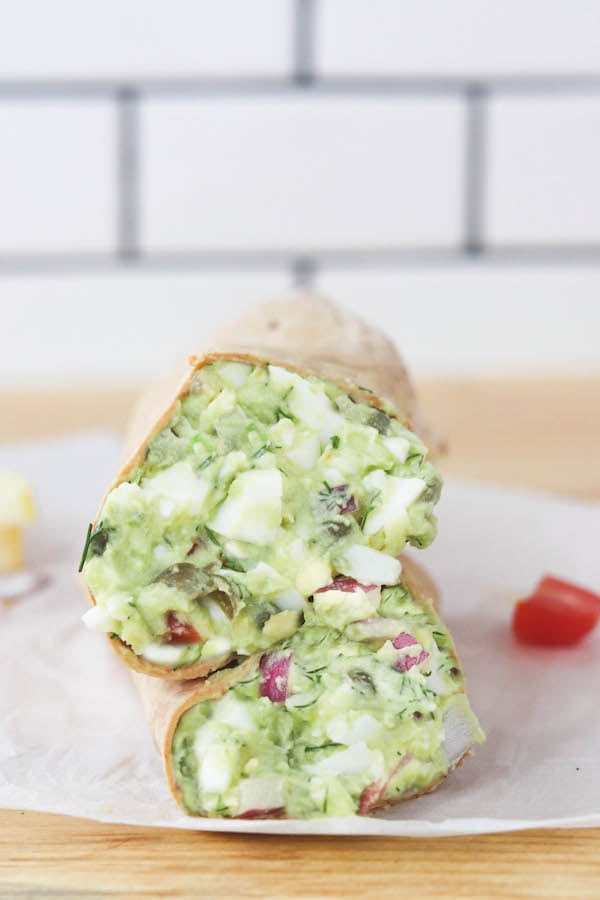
431 165
468 319
301 174
110 327
57 176
544 170
468 38
457 320
135 39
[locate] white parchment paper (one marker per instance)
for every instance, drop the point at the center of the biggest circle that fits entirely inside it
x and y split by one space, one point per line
73 739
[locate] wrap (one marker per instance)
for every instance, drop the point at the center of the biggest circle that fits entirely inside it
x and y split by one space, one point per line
389 722
255 475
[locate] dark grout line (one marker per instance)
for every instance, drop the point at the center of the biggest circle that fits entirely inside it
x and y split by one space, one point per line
127 187
304 273
303 80
475 169
303 267
303 42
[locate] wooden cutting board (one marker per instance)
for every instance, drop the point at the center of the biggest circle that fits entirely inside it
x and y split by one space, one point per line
537 433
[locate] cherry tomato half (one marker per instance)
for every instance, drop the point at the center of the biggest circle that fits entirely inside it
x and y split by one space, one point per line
550 586
557 614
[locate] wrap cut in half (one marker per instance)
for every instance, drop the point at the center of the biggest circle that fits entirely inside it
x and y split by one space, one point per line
333 721
266 470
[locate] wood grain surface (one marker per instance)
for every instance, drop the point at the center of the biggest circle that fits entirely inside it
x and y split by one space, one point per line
539 433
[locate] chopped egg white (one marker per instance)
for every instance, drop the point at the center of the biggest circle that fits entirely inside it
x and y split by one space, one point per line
370 566
118 604
353 728
252 509
309 404
261 793
223 403
234 462
283 433
215 647
398 446
234 373
214 610
434 681
396 496
459 730
166 507
99 620
306 452
263 579
234 712
289 599
178 487
315 573
356 759
215 772
339 608
164 654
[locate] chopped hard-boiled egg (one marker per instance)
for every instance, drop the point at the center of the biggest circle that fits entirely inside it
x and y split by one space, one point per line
396 496
17 508
252 510
178 487
370 566
356 758
337 607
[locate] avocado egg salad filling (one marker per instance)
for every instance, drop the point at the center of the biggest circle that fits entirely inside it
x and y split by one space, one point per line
262 487
343 717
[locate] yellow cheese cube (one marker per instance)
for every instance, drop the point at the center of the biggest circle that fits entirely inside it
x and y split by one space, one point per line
16 499
16 509
11 548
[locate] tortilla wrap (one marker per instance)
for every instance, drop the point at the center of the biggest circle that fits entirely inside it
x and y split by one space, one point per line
307 335
165 702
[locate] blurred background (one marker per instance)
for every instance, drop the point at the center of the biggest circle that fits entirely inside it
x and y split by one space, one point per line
165 164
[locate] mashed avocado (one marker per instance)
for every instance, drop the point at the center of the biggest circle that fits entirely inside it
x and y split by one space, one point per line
262 488
334 721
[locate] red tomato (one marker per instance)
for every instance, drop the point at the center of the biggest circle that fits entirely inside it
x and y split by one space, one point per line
180 632
550 586
557 614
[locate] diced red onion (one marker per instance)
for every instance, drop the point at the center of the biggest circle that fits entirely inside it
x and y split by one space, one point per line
262 813
370 797
404 639
344 506
374 793
405 663
347 585
350 507
274 672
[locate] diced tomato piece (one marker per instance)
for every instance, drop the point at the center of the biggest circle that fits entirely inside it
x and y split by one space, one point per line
347 585
180 631
557 614
550 586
